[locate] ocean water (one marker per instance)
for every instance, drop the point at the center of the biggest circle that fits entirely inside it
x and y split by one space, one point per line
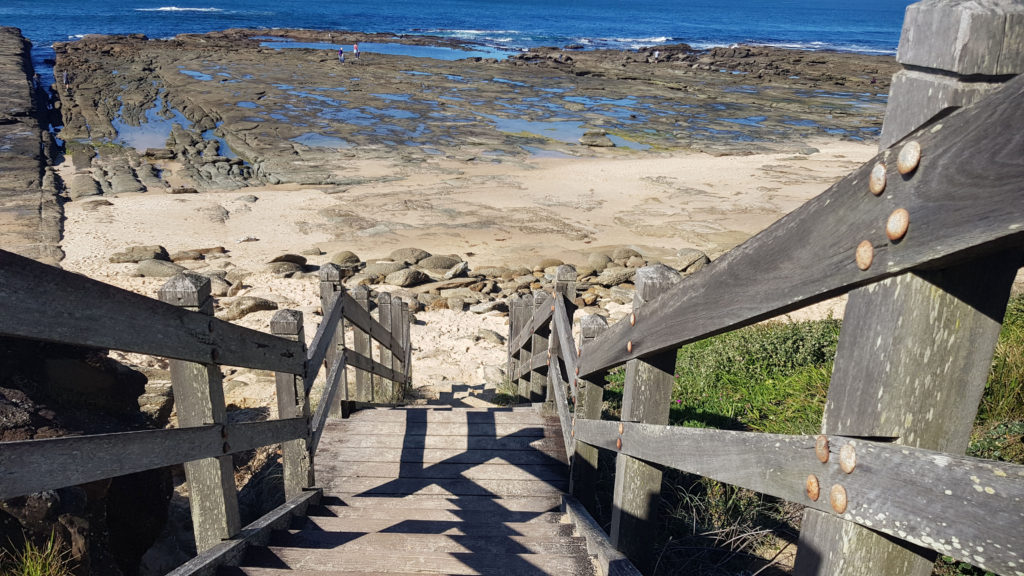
868 26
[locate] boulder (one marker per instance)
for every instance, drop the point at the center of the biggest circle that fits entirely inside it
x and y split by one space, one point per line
490 336
83 185
159 268
623 253
136 254
187 255
491 271
345 258
284 269
615 276
691 260
293 258
598 260
458 271
439 262
548 263
596 138
635 262
408 255
237 275
584 271
377 269
455 303
406 277
246 305
490 306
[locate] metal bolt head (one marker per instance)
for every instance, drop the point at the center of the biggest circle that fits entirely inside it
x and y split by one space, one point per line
876 183
620 428
577 370
632 319
629 346
847 458
837 497
552 307
813 488
572 433
896 226
865 254
821 448
578 351
910 156
618 443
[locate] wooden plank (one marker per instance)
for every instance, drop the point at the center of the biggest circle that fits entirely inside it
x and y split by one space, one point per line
35 465
563 329
341 502
326 401
457 487
398 359
479 428
372 367
361 345
230 552
951 504
536 321
512 364
590 400
522 348
429 414
808 255
609 561
404 543
564 291
646 397
444 470
551 445
479 562
536 363
495 527
360 318
539 346
407 343
331 288
887 383
562 407
198 400
451 456
292 402
383 391
41 302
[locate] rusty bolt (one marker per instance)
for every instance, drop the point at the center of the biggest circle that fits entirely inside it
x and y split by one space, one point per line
549 354
577 370
813 488
578 351
865 254
572 433
618 443
876 183
837 497
632 319
227 448
552 307
821 448
910 156
620 428
629 346
847 458
548 363
896 226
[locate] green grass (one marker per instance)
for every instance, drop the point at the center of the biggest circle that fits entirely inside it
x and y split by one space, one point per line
49 560
774 378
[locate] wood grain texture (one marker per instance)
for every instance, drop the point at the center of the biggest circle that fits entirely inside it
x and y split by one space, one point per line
521 346
292 402
331 386
361 346
360 318
40 302
610 562
537 320
539 346
808 255
331 288
36 465
584 473
372 367
951 504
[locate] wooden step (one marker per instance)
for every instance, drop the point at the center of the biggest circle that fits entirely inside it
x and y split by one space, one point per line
341 439
549 503
450 456
463 428
445 470
540 530
468 563
434 515
442 487
402 543
531 417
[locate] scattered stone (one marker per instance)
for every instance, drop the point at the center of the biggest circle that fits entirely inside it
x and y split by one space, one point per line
293 258
598 260
237 275
490 306
456 303
490 336
160 153
408 255
444 285
615 276
158 269
635 262
219 287
458 271
439 262
691 260
83 185
184 255
406 277
378 269
140 253
548 263
245 305
492 271
345 258
623 294
284 269
584 271
623 253
183 190
596 138
249 198
314 251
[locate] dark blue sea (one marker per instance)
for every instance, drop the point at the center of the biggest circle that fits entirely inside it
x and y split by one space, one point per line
868 26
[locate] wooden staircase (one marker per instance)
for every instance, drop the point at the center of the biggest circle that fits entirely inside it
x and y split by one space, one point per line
433 490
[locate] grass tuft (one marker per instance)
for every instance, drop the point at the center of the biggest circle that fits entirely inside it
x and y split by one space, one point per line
49 560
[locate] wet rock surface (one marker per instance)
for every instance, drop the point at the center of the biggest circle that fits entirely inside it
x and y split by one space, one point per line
225 110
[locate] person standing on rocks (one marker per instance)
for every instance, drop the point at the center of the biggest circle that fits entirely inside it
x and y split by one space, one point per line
341 55
355 50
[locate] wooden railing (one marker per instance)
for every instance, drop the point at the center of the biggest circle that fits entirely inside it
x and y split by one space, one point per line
886 485
39 302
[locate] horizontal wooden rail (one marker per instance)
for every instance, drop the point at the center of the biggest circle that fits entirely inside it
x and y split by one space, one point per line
537 361
967 508
370 365
334 376
965 198
537 323
360 318
40 302
34 465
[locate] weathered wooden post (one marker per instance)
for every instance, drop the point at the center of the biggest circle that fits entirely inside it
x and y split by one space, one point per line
397 335
513 318
538 347
383 392
646 396
407 341
361 346
583 476
199 401
888 381
525 353
292 402
564 287
330 289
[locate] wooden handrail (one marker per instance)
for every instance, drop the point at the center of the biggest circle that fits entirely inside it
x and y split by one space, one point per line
929 498
334 376
566 347
965 198
40 302
34 465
